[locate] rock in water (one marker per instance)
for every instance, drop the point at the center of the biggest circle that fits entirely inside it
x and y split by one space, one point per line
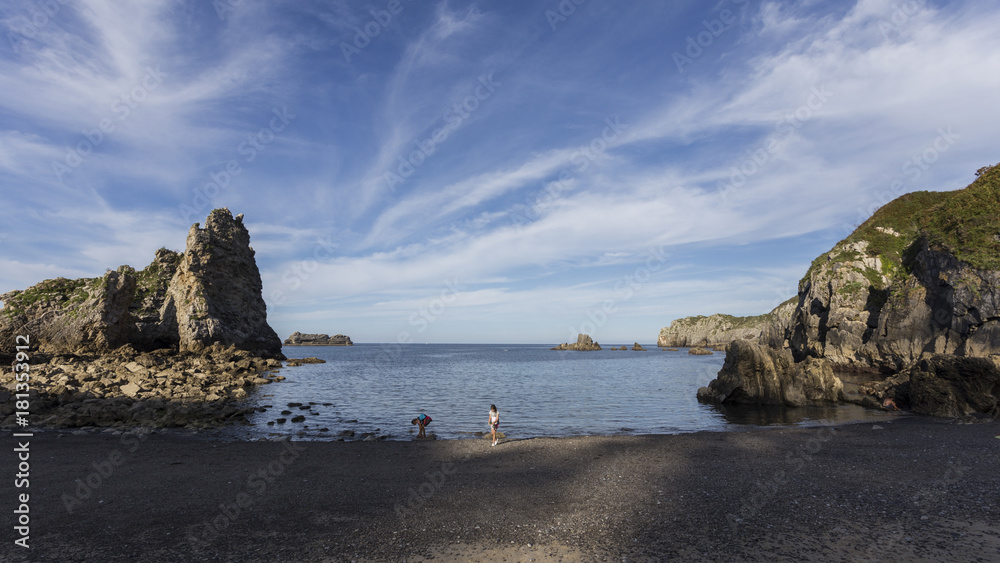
299 339
583 343
755 374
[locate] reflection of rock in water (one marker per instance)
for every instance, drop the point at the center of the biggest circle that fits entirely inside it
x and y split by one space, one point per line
771 415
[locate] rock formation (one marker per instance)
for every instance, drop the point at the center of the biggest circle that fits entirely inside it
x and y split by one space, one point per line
756 374
911 297
210 295
299 339
178 343
583 343
126 387
636 348
722 329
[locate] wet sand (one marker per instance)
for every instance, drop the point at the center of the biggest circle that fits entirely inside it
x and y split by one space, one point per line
914 489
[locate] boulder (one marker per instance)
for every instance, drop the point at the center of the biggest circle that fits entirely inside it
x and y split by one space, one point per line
636 347
755 374
952 386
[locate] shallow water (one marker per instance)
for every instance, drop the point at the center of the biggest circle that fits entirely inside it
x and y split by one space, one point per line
538 391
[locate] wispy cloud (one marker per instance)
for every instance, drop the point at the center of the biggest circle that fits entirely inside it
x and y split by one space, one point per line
791 123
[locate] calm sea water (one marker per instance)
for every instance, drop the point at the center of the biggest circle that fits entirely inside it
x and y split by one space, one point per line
538 391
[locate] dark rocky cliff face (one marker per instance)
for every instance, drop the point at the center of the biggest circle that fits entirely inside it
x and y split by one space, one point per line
210 295
918 284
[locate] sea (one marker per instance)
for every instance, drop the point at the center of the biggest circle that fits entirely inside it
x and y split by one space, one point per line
377 389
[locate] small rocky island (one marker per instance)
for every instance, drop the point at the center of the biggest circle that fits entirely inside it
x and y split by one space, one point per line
584 343
299 339
179 343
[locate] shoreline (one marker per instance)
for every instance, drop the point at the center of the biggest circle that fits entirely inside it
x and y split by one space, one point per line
909 489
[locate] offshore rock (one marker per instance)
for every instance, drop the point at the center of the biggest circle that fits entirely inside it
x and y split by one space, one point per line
299 339
583 343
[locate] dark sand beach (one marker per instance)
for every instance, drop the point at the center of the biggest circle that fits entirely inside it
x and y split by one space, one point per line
914 489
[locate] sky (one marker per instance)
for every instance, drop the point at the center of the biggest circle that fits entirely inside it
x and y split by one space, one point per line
485 172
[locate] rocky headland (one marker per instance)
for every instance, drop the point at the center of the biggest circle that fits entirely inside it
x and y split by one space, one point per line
909 303
720 329
299 339
584 343
179 343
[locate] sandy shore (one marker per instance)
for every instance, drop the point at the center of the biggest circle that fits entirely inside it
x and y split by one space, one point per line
914 489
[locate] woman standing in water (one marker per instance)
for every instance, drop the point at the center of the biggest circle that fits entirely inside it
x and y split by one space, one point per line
494 422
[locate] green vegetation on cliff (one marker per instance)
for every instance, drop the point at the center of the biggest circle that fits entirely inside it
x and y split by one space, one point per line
965 222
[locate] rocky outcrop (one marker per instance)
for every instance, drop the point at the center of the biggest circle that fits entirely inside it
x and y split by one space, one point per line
637 348
722 329
583 343
162 388
299 339
944 385
756 374
210 294
217 291
921 277
912 297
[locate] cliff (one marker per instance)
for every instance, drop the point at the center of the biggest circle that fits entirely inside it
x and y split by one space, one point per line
299 339
913 294
920 277
208 296
722 329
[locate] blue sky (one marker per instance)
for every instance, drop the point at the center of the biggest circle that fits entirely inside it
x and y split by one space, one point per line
510 172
